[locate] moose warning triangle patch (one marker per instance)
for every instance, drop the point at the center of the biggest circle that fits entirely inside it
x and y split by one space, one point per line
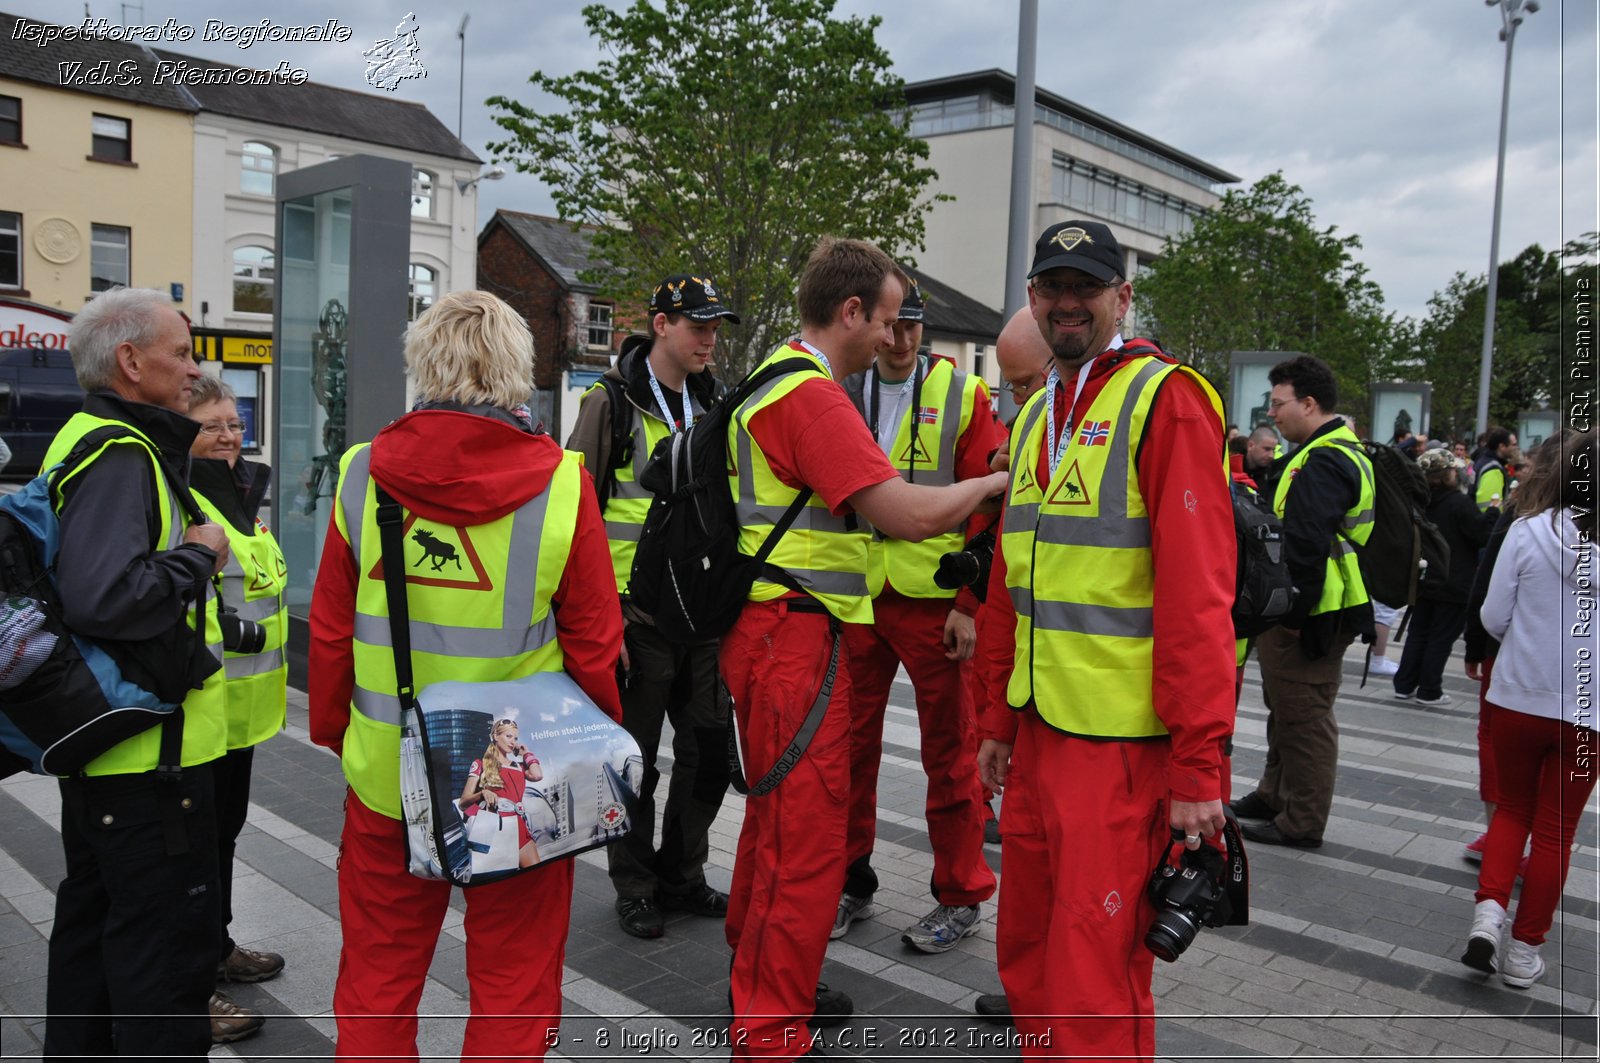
435 556
1068 488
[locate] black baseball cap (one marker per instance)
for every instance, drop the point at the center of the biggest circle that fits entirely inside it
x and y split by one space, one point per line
1081 245
694 297
912 305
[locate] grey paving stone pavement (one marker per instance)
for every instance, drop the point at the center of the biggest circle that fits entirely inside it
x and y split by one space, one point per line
1351 953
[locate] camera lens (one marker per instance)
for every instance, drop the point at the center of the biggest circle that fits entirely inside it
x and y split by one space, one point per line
241 636
1170 934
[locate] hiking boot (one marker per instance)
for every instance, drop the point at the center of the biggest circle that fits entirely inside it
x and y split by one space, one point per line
1483 941
1253 806
834 1007
851 908
230 1022
248 965
995 1008
700 900
1522 966
640 917
941 928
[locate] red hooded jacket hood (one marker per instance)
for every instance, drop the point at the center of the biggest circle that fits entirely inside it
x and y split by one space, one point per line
461 469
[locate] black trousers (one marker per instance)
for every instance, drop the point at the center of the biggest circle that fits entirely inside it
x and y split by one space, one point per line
231 774
1433 630
133 954
676 682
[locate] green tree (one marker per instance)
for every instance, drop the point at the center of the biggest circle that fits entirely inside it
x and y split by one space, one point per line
1256 273
726 136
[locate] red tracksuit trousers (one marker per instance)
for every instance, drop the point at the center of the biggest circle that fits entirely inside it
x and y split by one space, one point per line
516 941
1085 822
789 867
911 630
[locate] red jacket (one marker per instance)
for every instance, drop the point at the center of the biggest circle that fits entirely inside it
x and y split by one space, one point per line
1180 461
464 469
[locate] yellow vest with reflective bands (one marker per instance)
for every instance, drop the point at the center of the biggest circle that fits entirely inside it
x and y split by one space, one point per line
925 448
204 726
1342 586
482 616
629 503
826 555
252 585
1078 563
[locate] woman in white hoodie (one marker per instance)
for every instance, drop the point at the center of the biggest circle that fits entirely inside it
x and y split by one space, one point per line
1540 605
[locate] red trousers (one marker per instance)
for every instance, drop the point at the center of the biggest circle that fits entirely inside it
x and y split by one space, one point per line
1085 822
1487 780
516 941
1541 788
789 868
911 630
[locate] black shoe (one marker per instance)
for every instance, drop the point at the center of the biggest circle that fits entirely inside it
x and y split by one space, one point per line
995 1008
640 917
700 900
834 1007
1268 834
1253 806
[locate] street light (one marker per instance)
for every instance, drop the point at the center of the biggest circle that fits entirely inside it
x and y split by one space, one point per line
1511 12
461 82
494 173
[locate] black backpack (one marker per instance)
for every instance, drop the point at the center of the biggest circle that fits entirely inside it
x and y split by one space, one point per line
1405 549
688 573
1264 591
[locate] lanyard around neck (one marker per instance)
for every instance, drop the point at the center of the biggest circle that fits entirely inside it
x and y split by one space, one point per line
874 402
819 356
1057 448
661 401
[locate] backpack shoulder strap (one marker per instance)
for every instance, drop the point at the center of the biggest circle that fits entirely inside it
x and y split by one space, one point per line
621 442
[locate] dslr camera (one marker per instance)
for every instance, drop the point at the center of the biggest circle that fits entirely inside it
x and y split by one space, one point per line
968 566
240 635
1207 889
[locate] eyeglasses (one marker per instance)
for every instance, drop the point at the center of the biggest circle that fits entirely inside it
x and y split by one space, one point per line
1279 403
216 428
1050 288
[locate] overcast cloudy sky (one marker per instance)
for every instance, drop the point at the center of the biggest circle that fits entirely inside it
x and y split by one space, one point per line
1386 113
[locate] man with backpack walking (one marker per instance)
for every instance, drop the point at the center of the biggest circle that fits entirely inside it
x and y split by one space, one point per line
1325 496
133 951
799 450
934 423
658 387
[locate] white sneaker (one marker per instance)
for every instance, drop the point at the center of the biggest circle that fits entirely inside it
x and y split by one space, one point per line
851 908
1383 666
1523 965
1488 922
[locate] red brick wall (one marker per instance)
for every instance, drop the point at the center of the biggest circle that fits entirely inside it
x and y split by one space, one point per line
506 269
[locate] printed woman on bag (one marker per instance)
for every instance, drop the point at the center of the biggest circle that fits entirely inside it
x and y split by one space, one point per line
503 774
478 484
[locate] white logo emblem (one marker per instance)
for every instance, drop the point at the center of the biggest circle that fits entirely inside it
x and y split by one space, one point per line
394 60
1113 903
1190 503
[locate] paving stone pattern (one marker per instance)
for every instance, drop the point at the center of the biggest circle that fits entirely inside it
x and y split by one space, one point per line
1351 952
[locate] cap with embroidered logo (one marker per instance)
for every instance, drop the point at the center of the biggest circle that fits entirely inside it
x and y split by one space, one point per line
1082 245
696 298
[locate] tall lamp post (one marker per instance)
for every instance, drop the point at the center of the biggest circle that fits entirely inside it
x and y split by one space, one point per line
1511 12
461 82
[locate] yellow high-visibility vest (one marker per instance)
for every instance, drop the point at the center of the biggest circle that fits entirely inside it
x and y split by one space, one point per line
1342 586
204 724
479 605
1078 563
825 554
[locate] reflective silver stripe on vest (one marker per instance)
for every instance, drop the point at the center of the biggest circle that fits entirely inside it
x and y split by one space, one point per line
630 488
255 664
623 531
380 708
751 513
1078 618
514 636
852 584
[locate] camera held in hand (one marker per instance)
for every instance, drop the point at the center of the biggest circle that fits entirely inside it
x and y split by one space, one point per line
968 566
1209 889
240 635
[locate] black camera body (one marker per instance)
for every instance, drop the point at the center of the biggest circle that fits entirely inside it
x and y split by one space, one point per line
1208 889
968 566
240 635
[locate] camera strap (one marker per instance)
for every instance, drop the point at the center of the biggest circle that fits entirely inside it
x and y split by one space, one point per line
391 547
802 737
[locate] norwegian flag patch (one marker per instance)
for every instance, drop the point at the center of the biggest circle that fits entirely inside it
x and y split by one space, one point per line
927 415
1094 434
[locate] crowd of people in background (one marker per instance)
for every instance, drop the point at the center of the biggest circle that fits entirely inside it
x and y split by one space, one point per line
1090 677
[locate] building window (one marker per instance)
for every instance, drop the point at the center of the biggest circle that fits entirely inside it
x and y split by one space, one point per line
10 120
10 250
246 384
110 257
113 139
258 163
253 273
600 325
421 194
422 290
